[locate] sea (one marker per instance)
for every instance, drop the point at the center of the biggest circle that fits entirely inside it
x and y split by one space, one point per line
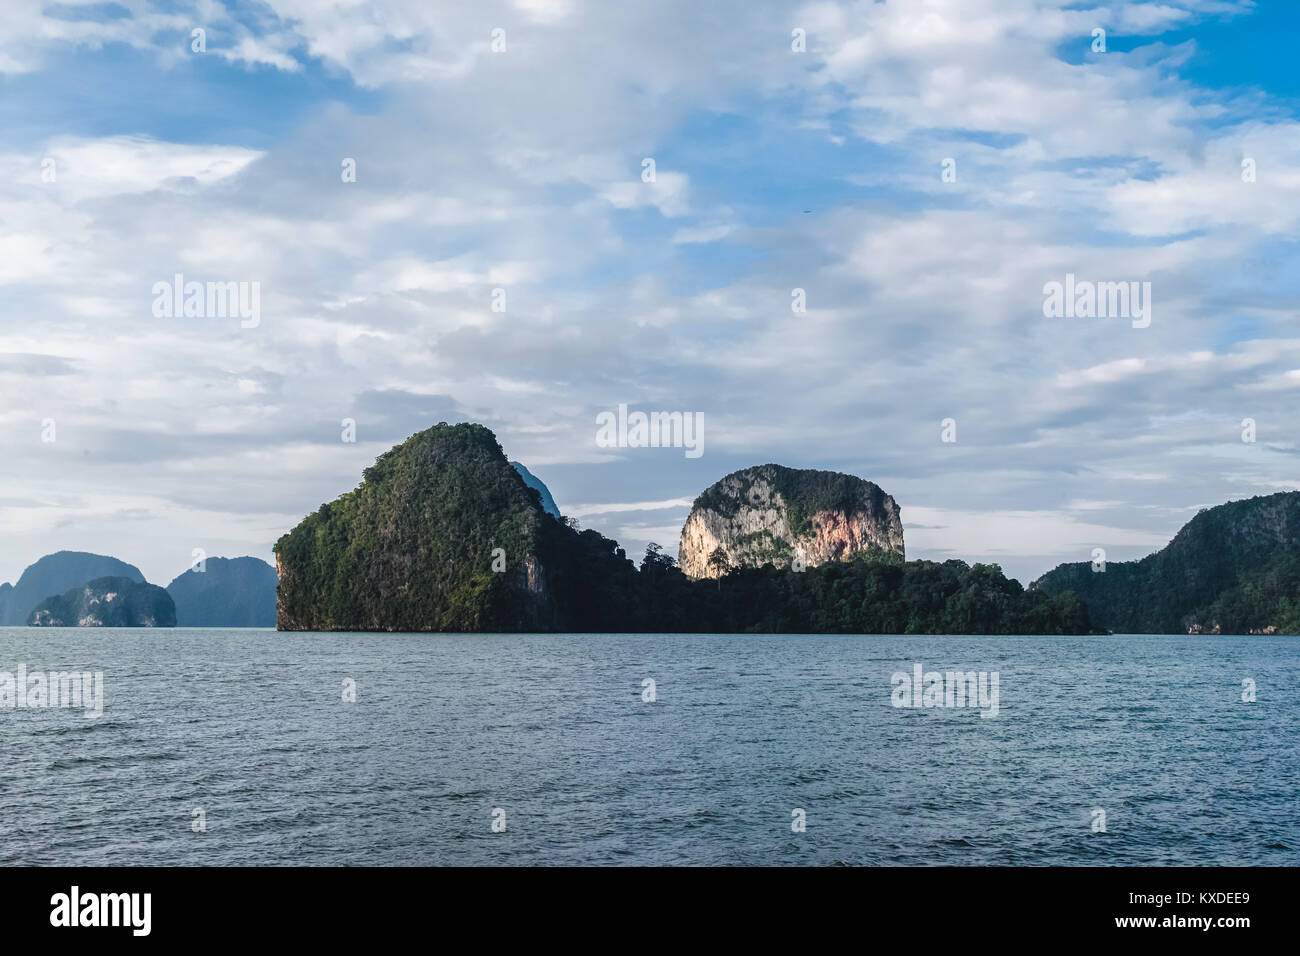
256 748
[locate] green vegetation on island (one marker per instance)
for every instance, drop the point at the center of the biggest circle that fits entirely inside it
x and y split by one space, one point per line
107 602
1232 569
862 596
444 535
54 574
413 547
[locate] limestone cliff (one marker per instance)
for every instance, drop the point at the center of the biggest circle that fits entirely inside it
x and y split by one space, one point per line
769 514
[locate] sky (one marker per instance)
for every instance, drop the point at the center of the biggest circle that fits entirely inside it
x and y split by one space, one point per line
921 170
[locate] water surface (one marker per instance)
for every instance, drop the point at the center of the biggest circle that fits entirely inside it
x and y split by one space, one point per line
250 726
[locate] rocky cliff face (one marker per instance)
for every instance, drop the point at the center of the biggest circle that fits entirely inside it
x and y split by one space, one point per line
770 514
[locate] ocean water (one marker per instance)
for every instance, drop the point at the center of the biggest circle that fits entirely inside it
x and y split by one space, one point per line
551 731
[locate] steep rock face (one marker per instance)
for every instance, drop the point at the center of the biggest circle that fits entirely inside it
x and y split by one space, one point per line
54 574
228 592
107 602
768 514
441 535
1232 569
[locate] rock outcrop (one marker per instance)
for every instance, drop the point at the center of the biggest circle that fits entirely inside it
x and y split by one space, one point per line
770 514
441 535
107 602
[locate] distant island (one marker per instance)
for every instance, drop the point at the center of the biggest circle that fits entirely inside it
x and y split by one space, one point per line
443 534
55 574
1232 569
532 481
107 602
68 587
227 592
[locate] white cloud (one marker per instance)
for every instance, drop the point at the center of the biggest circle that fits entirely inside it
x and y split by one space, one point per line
584 511
668 193
479 170
701 234
1062 537
116 165
251 50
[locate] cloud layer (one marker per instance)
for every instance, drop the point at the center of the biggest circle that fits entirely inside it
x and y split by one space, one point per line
501 257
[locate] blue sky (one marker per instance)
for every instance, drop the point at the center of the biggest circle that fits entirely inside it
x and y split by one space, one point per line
521 170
